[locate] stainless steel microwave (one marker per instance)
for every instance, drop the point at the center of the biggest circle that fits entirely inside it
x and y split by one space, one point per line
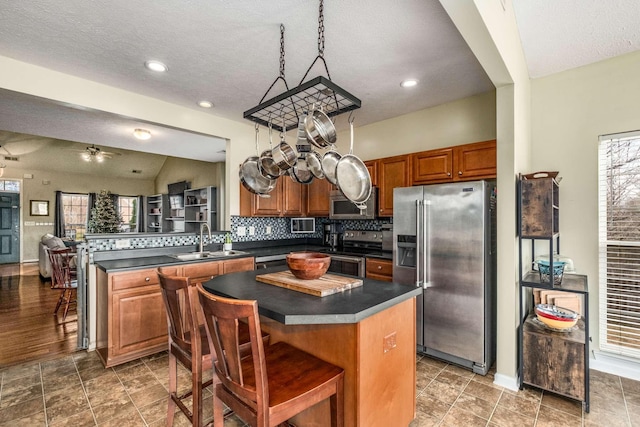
342 208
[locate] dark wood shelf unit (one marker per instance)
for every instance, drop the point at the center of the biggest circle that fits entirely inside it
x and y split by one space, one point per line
550 360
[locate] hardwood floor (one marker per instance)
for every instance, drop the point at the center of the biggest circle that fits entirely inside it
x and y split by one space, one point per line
29 331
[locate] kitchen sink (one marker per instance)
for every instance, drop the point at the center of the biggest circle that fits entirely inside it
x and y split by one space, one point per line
190 256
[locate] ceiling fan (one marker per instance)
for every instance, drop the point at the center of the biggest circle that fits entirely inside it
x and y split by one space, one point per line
95 154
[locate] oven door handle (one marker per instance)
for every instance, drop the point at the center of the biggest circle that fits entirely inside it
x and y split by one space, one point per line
347 258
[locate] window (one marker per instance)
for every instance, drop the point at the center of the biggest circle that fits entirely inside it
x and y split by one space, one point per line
128 207
619 243
76 213
9 185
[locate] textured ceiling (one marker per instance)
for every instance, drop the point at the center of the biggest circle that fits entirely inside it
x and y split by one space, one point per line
560 35
227 51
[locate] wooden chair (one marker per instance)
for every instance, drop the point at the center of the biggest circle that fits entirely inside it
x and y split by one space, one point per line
63 277
296 380
188 344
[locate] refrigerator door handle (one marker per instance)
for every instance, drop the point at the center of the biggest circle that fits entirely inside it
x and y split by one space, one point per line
426 230
419 280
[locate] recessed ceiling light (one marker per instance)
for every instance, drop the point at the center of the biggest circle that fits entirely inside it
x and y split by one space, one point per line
409 83
156 66
142 134
205 104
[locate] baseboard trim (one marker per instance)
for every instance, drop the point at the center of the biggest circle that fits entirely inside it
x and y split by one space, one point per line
506 381
615 364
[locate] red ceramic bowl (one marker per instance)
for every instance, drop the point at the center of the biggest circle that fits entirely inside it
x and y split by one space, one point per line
308 265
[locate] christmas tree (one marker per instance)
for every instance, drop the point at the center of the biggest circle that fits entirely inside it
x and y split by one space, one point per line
104 216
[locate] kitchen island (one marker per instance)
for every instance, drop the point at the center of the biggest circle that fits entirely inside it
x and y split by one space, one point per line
369 331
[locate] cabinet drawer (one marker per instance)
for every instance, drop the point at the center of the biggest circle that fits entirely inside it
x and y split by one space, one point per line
240 264
120 281
379 269
200 271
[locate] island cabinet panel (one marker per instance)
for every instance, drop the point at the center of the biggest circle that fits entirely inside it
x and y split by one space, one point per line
379 360
379 269
131 318
317 197
393 172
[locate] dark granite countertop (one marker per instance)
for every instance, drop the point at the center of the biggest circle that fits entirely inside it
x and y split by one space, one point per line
296 308
112 266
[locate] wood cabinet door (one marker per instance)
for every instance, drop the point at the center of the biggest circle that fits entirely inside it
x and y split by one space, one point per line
318 198
268 206
393 172
291 196
476 161
372 167
139 321
201 271
432 166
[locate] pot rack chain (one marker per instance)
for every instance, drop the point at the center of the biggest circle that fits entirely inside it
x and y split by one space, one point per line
288 106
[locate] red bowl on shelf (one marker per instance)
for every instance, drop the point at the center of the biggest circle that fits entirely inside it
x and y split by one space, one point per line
308 265
556 317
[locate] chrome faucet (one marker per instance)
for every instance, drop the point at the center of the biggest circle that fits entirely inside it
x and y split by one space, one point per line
202 227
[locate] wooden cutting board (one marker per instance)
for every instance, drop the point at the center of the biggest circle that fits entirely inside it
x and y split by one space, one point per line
321 287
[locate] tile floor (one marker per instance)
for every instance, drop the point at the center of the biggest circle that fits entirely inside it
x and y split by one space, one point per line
451 396
76 390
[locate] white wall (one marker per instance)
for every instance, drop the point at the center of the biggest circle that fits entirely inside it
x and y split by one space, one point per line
569 111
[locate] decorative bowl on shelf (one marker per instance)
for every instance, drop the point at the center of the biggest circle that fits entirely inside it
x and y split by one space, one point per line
308 265
544 268
556 317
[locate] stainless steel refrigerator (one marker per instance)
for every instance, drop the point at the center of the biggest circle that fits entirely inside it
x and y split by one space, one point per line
444 241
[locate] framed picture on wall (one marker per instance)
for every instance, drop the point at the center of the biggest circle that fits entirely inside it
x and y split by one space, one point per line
39 208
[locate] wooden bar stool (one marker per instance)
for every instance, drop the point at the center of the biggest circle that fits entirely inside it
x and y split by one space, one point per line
63 277
188 344
296 380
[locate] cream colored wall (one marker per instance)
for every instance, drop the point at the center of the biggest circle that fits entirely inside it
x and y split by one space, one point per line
36 189
464 121
569 111
199 174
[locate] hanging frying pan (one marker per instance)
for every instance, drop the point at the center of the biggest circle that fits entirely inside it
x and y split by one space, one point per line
353 177
268 166
251 177
314 164
329 163
300 173
283 155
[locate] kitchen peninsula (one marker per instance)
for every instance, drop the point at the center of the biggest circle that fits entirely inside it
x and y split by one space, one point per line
369 331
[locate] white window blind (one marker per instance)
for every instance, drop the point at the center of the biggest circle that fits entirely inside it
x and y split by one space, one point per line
619 243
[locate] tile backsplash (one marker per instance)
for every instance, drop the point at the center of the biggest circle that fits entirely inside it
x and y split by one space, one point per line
272 228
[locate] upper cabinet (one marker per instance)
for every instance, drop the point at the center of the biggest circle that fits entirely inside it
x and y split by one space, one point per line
285 200
317 197
461 163
392 172
372 167
432 166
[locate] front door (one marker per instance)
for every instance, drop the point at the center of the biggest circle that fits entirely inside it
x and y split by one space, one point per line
9 228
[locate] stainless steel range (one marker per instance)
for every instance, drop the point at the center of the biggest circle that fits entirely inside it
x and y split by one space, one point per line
350 257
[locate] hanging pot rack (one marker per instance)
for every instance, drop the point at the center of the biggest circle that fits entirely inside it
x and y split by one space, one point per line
289 105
